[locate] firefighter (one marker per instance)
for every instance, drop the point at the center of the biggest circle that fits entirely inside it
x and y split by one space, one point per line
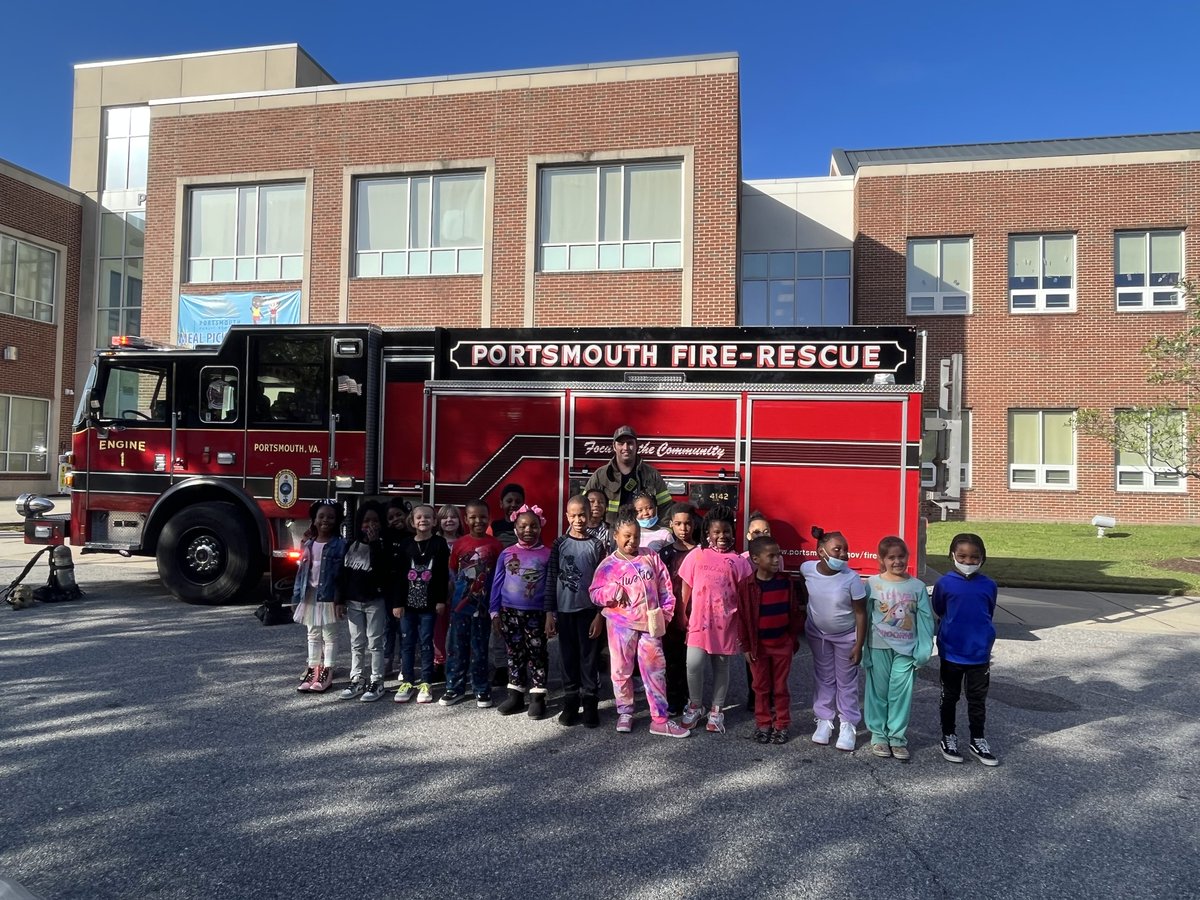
623 477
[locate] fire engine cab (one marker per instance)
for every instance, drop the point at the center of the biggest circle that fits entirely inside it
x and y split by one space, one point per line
207 458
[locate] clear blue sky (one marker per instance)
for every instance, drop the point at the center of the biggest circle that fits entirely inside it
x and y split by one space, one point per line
814 76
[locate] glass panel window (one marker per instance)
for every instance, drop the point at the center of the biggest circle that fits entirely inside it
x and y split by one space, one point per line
1041 449
28 275
136 396
630 216
250 233
1147 270
1151 450
939 276
1041 273
395 215
290 381
126 147
817 283
24 432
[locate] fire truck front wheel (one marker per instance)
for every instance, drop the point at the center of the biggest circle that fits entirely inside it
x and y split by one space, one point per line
207 554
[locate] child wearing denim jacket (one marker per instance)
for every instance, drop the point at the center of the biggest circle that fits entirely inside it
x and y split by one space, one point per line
315 596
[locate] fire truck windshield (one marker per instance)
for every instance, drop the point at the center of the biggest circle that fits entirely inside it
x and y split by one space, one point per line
85 396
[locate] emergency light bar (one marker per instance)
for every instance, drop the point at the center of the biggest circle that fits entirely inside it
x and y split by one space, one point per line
137 342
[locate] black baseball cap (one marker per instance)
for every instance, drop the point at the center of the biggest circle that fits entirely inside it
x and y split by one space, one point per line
624 432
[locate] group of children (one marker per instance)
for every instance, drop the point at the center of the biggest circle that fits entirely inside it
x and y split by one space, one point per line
671 602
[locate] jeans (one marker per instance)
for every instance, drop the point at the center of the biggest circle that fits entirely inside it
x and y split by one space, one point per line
416 626
467 649
368 621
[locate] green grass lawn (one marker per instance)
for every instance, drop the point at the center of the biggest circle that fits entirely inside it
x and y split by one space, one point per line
1128 559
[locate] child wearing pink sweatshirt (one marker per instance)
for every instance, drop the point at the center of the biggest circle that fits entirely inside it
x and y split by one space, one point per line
628 586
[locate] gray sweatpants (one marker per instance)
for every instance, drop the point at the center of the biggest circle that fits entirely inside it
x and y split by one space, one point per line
367 620
696 658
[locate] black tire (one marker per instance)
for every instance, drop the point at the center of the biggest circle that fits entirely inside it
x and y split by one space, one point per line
208 553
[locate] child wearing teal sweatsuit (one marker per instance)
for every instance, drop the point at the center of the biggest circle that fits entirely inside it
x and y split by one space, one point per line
899 641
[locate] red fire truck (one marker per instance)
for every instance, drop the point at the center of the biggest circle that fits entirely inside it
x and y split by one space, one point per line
207 458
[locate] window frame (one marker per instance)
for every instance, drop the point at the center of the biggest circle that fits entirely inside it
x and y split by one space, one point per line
679 163
34 302
209 376
1147 291
824 280
6 453
163 393
1151 470
1041 293
939 297
1041 468
430 248
256 258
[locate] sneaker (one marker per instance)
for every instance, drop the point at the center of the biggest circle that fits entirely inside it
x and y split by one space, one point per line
824 731
323 679
950 749
306 682
883 751
847 736
762 736
669 729
483 701
716 721
779 736
982 752
353 689
405 692
625 723
373 692
691 716
901 753
449 698
424 694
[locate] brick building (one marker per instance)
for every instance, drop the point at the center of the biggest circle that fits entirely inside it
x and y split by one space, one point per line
40 230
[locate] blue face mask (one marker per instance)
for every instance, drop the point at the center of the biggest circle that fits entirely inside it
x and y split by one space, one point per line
836 563
648 523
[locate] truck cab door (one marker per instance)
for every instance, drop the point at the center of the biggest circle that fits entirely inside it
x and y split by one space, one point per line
210 434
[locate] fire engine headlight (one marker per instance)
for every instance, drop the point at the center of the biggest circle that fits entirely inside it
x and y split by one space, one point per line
32 505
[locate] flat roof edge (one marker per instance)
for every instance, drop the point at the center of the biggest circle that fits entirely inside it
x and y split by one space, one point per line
146 59
465 76
40 182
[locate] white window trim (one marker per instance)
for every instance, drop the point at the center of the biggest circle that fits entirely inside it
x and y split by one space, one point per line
8 453
1040 470
53 304
356 255
939 297
256 259
653 243
1148 291
1041 293
1150 472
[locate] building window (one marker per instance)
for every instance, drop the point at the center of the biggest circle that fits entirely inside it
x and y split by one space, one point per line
811 287
24 424
249 233
939 276
1148 268
119 307
1041 448
611 217
419 225
1151 451
126 148
929 452
27 276
1041 273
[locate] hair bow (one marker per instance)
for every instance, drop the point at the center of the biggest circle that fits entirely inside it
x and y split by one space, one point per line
535 509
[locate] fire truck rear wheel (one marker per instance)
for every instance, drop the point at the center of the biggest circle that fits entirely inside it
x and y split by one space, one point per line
207 554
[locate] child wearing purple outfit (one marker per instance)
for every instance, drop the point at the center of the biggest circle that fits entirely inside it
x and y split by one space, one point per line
519 612
629 587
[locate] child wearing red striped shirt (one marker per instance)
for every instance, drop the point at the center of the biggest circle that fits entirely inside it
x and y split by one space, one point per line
774 622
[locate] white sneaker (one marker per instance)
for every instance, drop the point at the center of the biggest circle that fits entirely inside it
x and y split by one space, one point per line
846 737
824 731
424 694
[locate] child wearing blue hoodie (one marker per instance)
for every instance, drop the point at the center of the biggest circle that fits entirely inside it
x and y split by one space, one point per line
964 601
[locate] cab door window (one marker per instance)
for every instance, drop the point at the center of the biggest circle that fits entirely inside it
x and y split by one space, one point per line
218 394
291 384
136 396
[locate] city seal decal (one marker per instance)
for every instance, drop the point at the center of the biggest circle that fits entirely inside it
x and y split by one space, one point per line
285 488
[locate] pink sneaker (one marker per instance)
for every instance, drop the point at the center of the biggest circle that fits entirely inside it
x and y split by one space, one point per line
669 728
691 716
322 679
625 723
306 683
716 721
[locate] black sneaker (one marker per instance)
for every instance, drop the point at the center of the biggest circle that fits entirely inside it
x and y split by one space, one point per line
950 749
779 736
483 701
373 692
451 697
353 689
762 736
982 752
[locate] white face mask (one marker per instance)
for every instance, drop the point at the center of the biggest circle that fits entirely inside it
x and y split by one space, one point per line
965 568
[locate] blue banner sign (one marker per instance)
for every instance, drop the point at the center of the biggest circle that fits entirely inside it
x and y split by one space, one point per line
204 318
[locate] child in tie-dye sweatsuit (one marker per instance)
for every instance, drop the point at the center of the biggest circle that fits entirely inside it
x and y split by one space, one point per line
627 585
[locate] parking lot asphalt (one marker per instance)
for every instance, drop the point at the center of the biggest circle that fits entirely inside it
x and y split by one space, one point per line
154 749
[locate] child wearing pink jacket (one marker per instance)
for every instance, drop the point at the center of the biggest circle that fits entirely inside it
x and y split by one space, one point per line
628 586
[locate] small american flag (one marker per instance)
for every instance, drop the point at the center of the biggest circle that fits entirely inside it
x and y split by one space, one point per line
347 385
